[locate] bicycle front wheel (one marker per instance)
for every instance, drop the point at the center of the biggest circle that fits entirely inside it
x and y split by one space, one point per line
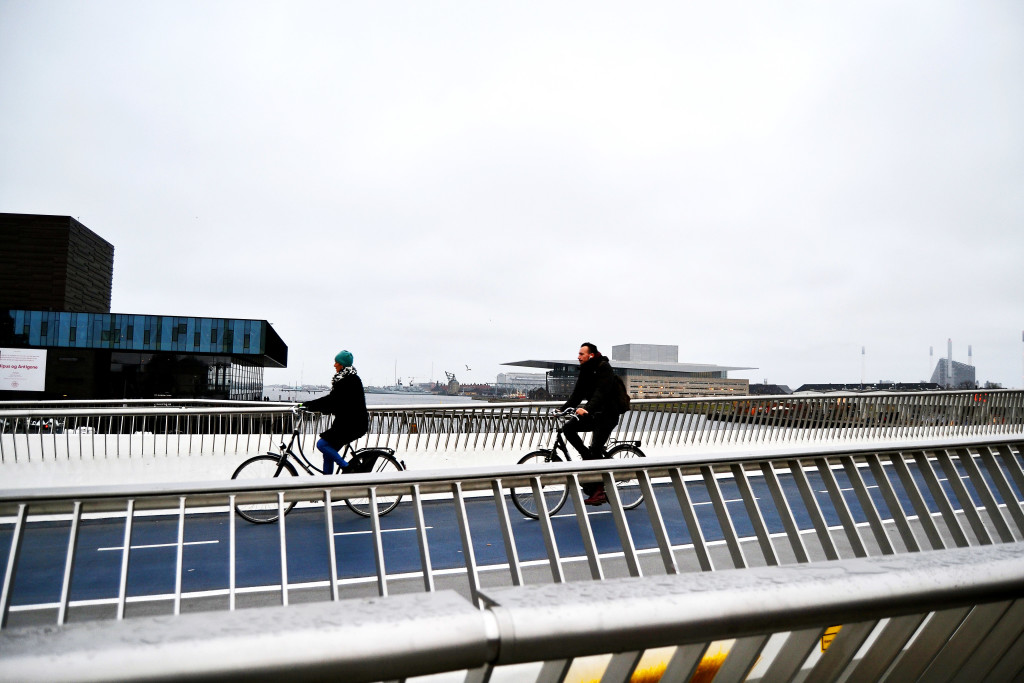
627 484
376 462
554 494
266 466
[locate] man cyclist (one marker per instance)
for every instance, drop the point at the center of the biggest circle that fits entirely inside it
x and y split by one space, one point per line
347 403
606 400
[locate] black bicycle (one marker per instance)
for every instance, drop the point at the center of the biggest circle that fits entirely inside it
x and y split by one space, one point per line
555 493
270 465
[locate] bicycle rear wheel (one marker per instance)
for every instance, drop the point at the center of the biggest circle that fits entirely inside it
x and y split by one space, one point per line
627 484
375 462
266 466
554 494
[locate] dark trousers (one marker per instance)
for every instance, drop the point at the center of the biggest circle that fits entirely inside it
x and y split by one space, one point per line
602 425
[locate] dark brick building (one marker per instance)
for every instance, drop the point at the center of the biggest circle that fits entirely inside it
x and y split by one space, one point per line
53 263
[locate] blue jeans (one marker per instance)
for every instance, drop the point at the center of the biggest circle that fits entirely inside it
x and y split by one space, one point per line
331 456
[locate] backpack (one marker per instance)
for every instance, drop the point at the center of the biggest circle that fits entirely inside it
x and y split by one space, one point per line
621 396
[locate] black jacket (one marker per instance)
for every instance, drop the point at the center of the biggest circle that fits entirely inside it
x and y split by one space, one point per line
597 386
347 403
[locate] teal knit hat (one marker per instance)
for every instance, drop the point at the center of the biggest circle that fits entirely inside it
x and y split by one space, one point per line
344 358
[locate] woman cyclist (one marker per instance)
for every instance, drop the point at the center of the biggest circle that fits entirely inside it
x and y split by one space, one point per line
347 404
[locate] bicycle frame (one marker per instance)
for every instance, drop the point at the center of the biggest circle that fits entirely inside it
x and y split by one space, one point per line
561 444
300 458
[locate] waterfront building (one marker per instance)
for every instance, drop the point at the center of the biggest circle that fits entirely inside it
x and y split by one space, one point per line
53 263
521 381
952 374
648 371
58 338
876 386
766 389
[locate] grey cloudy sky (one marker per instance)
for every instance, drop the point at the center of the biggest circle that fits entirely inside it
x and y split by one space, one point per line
447 184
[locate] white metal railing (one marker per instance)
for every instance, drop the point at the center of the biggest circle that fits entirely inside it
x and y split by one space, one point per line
721 512
139 429
954 615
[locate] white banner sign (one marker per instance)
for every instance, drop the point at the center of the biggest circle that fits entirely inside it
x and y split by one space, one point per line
22 370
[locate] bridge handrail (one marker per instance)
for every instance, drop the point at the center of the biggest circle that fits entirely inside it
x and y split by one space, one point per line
406 635
661 424
149 495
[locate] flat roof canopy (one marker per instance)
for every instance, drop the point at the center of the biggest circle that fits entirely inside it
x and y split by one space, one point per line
632 365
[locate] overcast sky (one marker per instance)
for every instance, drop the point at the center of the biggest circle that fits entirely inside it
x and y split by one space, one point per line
437 185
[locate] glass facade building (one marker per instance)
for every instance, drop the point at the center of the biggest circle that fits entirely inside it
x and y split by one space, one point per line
113 355
51 266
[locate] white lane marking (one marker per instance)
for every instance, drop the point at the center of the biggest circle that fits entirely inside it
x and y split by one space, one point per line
849 488
383 531
608 512
158 545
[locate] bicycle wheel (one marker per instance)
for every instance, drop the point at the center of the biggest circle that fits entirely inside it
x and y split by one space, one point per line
627 484
266 466
375 462
554 494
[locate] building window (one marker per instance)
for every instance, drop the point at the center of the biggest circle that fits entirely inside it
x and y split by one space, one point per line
131 332
195 340
213 336
72 334
44 328
145 337
245 342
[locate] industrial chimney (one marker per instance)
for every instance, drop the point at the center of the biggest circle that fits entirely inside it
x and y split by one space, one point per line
949 362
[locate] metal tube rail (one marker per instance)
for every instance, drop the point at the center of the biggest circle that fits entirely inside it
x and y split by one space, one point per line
664 425
696 516
554 621
429 633
958 613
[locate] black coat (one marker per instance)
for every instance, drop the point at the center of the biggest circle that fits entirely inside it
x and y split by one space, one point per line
597 386
347 403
